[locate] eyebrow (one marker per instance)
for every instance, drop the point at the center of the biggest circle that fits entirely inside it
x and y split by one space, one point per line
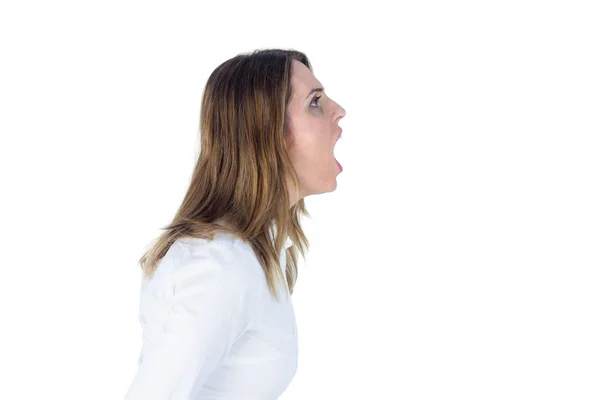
319 89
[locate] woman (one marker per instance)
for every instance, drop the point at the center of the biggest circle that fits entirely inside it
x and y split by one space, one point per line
215 302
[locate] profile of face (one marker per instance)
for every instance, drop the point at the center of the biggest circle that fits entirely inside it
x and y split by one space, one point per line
313 122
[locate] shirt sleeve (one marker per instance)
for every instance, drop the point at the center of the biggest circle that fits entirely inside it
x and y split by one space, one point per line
210 309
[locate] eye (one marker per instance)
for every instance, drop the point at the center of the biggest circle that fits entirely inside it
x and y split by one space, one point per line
315 100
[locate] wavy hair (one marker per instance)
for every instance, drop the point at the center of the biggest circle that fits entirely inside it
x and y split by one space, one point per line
243 169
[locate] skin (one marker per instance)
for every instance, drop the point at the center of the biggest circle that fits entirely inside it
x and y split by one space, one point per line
315 131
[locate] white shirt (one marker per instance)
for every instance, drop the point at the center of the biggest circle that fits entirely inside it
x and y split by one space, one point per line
211 328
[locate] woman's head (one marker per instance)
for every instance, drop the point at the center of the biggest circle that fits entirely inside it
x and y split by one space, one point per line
266 142
271 107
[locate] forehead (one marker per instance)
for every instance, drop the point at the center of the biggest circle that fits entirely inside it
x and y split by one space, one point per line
302 79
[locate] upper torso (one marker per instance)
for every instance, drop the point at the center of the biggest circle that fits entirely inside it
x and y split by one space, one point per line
258 365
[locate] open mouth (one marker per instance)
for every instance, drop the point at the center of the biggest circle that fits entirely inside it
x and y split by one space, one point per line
336 161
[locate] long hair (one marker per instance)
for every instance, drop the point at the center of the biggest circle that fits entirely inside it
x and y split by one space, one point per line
243 168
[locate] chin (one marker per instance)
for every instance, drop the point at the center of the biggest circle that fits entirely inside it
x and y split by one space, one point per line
333 186
325 187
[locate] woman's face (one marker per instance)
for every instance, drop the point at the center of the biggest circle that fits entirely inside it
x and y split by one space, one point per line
313 122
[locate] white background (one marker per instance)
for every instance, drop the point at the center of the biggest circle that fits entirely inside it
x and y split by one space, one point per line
458 257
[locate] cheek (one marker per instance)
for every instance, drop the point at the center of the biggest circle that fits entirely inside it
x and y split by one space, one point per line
312 133
308 122
311 139
312 145
304 125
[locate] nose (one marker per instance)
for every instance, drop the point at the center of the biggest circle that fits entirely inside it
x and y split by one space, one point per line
341 112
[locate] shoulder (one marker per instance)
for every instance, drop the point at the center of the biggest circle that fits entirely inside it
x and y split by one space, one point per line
224 269
225 260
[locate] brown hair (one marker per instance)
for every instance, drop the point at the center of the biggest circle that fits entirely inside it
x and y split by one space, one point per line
243 168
